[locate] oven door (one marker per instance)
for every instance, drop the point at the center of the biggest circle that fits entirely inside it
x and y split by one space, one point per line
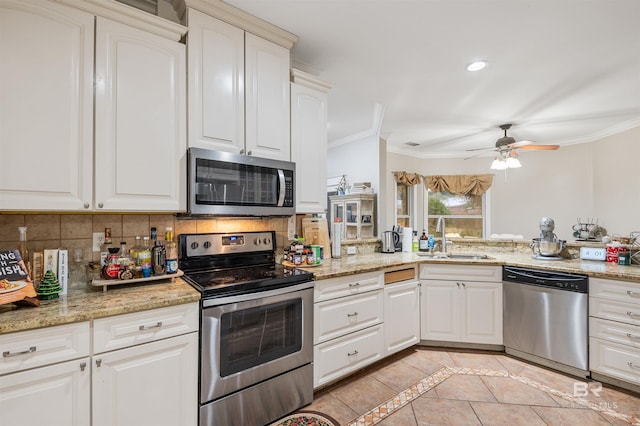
250 338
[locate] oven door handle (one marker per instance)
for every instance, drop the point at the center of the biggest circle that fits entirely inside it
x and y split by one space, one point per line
207 303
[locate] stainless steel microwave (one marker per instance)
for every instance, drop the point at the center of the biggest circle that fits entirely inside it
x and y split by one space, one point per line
227 184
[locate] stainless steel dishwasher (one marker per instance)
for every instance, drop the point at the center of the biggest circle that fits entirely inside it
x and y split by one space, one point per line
545 318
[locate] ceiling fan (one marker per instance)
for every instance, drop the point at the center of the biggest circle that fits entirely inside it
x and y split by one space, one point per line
506 147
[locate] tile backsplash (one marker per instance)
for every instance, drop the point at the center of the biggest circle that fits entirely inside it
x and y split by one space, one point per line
71 231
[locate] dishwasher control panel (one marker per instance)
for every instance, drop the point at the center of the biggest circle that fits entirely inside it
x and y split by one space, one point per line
545 278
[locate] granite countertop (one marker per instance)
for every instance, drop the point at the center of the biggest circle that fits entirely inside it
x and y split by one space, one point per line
354 264
84 302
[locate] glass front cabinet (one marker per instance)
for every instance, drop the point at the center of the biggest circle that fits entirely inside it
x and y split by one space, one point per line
356 212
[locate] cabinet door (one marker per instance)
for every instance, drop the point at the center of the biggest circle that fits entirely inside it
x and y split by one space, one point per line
309 147
481 313
46 106
267 116
140 137
440 310
58 394
151 384
215 53
401 316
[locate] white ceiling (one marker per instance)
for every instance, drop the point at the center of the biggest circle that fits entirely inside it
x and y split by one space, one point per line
562 71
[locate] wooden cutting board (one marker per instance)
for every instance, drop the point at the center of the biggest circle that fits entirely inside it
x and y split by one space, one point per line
316 232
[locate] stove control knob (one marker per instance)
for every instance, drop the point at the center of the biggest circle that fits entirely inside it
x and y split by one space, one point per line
207 244
194 245
257 242
267 241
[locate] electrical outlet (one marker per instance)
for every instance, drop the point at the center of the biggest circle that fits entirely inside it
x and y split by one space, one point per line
351 250
98 240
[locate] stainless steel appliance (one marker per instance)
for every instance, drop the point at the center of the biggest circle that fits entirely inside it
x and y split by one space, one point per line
388 242
227 184
548 246
545 318
256 328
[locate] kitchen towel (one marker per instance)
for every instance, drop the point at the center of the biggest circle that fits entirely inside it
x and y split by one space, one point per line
406 237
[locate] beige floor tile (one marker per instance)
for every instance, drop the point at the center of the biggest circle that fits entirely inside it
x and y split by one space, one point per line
465 388
431 411
567 416
398 375
510 391
332 406
512 365
476 360
362 394
554 379
505 414
403 416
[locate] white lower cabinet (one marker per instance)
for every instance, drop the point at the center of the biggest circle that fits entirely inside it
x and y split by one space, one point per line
614 331
462 310
151 384
348 325
52 376
401 316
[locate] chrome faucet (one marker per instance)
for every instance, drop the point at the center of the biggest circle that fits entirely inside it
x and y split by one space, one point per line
441 222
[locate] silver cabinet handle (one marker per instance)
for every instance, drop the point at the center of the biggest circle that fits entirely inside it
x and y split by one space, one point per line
631 314
100 205
249 153
7 354
354 284
83 365
463 285
98 362
147 327
352 353
631 336
632 365
242 151
355 314
86 205
633 293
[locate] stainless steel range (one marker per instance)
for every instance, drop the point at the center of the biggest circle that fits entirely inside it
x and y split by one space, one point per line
256 328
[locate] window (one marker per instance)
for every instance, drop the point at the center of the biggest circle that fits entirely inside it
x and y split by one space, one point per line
404 204
464 214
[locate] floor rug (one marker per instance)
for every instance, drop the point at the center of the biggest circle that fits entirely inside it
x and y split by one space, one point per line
307 418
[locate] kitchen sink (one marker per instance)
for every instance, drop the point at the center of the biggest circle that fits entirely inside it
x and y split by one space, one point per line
456 256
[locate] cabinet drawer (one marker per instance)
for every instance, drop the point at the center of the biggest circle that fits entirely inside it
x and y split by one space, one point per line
35 348
141 327
614 331
334 318
622 291
346 286
613 310
615 360
453 272
341 356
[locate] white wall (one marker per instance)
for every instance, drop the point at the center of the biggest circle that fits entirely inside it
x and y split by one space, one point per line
594 180
359 160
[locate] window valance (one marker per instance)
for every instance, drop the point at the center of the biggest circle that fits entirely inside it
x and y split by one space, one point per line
408 179
459 184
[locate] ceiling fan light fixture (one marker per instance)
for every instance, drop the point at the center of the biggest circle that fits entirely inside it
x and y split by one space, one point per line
499 164
477 65
512 163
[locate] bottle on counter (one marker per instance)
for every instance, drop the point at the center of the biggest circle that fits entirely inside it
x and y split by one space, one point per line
24 249
144 258
415 243
158 258
424 241
104 248
172 257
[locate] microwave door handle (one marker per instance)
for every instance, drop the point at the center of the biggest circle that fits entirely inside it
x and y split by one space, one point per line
282 188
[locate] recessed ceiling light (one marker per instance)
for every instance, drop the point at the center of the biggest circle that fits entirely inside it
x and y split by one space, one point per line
476 66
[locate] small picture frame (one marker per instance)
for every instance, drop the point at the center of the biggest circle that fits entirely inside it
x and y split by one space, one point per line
366 218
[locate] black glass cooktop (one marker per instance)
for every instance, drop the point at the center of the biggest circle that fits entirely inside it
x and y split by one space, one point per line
248 279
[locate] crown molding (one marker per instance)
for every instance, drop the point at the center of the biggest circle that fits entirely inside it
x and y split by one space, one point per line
238 18
376 125
309 80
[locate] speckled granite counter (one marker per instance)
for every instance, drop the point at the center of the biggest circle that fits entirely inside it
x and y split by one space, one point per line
348 265
83 303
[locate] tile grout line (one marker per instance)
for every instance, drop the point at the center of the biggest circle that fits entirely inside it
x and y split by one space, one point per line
384 410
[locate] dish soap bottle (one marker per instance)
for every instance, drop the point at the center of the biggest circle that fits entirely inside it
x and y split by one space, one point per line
415 244
424 241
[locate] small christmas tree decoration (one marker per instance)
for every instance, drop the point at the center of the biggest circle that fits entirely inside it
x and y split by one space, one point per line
49 287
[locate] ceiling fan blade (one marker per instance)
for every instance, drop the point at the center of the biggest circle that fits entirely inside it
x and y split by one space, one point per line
520 144
540 147
482 149
473 156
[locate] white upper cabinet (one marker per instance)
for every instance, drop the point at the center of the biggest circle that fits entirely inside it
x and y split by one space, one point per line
51 145
46 106
140 120
309 141
238 87
267 119
215 84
